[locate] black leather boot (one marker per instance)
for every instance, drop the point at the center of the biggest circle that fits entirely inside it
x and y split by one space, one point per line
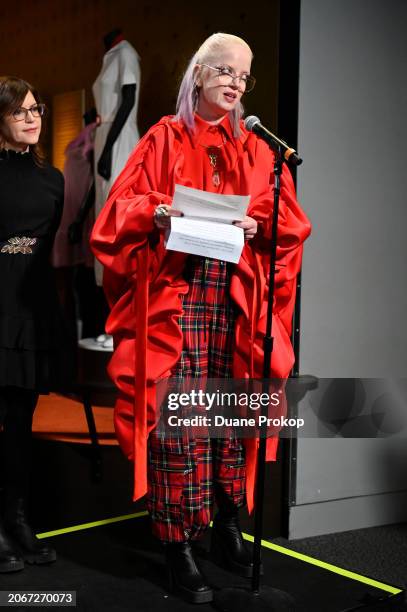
228 548
31 548
10 559
184 576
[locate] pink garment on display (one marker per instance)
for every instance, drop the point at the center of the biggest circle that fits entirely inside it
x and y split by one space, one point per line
78 173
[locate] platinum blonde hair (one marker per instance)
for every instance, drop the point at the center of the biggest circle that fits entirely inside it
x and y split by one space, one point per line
188 94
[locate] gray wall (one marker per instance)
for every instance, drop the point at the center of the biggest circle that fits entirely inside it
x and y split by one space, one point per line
353 184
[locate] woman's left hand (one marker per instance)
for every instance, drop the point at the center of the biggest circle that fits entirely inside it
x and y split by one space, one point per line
249 225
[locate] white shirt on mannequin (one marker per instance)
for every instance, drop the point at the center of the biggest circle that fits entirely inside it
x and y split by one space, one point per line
121 66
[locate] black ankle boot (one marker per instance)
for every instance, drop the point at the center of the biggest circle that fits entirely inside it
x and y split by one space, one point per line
10 559
228 548
184 575
31 548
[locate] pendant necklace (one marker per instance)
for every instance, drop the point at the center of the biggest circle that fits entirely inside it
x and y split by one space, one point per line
213 154
213 160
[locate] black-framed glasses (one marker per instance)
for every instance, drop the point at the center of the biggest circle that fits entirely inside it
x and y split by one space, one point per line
227 76
21 114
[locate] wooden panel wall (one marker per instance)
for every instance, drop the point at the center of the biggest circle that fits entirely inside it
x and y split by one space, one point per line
68 109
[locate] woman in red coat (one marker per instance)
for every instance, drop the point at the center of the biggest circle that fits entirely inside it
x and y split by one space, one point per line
179 315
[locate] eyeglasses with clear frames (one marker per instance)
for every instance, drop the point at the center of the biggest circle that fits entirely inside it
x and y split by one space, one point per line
21 114
227 76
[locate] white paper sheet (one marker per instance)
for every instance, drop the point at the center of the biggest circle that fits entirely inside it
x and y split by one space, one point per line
206 228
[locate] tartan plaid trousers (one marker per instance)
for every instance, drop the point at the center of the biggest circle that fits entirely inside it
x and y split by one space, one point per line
186 474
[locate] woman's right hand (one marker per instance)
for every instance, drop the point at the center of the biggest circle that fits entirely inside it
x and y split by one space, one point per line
163 214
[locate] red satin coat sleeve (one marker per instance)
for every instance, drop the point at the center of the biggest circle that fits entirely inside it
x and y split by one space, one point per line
126 220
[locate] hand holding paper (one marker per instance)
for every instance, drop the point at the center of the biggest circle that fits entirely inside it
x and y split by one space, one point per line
206 226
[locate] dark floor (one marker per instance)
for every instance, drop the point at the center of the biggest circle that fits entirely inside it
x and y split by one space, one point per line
378 552
120 568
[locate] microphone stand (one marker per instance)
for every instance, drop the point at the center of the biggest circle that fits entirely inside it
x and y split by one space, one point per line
261 597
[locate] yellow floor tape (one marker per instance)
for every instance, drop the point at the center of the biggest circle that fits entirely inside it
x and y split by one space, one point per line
116 519
280 549
326 566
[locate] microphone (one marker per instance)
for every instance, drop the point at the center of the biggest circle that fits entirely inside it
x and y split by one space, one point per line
252 124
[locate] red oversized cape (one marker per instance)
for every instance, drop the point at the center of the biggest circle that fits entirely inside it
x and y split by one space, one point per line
143 281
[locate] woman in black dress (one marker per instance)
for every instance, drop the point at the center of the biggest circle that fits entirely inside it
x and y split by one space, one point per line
32 349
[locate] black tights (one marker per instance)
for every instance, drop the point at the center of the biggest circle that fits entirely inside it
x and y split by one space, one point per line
17 407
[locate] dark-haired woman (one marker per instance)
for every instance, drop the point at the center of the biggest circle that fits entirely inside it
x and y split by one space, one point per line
31 329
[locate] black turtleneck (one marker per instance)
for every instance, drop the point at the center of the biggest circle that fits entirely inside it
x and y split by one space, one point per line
31 197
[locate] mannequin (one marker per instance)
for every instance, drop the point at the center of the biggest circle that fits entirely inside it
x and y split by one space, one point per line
116 93
72 259
78 173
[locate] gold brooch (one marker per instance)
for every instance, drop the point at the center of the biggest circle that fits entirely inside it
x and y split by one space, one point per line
19 245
